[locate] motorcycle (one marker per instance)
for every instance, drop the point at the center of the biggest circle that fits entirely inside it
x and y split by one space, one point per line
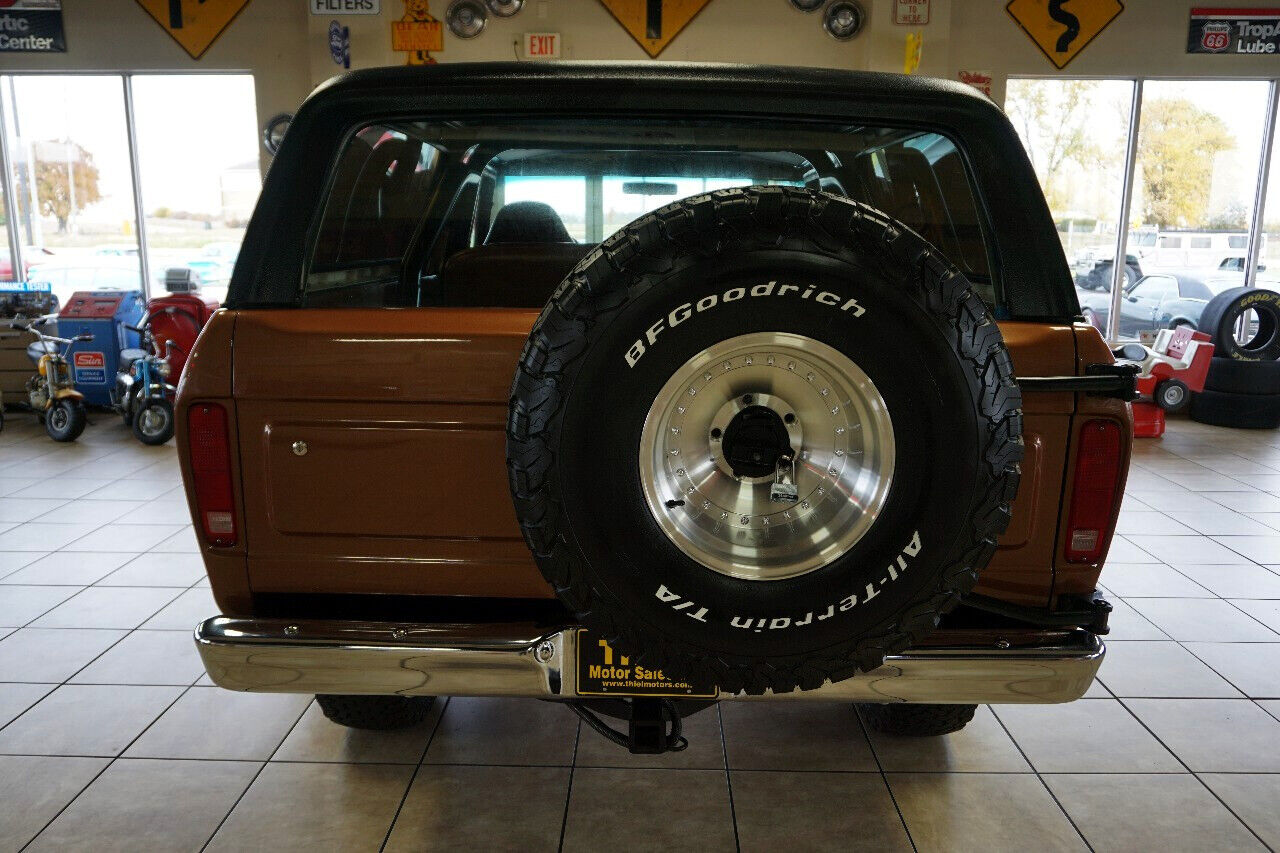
51 391
143 395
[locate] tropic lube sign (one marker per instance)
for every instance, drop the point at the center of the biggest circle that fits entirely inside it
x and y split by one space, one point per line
1234 30
32 26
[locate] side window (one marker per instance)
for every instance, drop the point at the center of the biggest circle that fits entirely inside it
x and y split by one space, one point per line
1201 242
380 189
923 183
1156 287
1170 242
1237 241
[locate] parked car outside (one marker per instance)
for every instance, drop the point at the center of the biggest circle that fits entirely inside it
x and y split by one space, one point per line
88 272
1163 300
1098 277
214 263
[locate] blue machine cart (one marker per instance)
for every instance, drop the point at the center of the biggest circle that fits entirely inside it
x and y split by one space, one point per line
103 314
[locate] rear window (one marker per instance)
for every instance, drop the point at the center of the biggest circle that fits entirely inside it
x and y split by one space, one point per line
495 213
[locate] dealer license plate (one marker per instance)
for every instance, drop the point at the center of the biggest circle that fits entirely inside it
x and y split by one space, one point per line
603 671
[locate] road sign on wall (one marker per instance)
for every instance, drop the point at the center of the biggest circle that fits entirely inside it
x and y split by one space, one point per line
194 24
1063 28
654 23
1234 30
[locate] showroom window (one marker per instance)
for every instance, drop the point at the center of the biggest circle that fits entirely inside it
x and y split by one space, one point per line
92 209
1194 175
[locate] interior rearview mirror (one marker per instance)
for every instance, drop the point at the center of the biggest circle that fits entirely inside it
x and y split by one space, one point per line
649 188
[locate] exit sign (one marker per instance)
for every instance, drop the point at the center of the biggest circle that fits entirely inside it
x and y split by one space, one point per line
542 45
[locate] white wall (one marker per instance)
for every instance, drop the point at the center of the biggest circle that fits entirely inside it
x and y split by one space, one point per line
286 49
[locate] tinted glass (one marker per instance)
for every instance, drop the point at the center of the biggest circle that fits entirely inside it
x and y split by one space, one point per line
377 199
498 212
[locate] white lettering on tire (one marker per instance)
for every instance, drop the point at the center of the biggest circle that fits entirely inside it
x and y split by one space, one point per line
684 311
758 624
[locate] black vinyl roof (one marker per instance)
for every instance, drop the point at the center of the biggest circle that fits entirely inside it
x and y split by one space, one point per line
1028 254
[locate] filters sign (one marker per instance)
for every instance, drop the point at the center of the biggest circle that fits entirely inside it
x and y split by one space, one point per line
32 26
1234 31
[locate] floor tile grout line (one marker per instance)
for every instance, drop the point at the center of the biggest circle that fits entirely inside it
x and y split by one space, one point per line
67 681
1040 777
1187 767
417 768
728 780
884 777
110 763
265 763
1228 601
1243 693
568 794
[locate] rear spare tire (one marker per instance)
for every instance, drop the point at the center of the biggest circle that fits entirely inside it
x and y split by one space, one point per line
688 364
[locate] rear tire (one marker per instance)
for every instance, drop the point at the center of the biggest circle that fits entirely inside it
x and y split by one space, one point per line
911 720
377 713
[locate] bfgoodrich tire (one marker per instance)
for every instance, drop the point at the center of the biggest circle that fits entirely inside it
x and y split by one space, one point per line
813 307
375 712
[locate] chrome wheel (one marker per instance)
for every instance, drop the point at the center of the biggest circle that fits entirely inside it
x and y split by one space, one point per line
152 420
729 426
59 416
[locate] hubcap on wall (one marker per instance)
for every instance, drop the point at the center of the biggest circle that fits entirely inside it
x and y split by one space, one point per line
736 417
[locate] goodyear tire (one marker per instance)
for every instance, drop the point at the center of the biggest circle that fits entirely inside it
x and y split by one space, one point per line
1244 411
1219 320
1243 377
769 302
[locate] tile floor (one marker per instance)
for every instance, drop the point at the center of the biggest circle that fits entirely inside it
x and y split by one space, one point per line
112 739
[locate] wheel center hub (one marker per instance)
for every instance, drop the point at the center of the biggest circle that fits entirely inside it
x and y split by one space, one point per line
754 441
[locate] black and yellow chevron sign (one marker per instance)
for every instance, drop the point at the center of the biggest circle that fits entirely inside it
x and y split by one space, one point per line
654 23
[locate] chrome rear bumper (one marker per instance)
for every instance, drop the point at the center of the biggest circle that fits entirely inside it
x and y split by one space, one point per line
282 656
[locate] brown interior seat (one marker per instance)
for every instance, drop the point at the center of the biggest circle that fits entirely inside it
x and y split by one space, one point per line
508 275
527 252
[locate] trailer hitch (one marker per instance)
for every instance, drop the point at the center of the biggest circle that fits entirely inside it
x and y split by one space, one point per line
653 726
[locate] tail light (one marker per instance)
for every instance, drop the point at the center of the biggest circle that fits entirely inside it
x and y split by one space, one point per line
210 449
1093 496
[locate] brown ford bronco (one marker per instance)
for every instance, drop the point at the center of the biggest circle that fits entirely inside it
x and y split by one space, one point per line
641 387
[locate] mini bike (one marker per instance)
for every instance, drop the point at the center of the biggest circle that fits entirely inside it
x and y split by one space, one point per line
143 395
51 391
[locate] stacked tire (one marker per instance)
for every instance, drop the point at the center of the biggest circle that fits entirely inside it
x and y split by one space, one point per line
1243 386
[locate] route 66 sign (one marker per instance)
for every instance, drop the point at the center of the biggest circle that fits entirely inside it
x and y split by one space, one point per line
1215 36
